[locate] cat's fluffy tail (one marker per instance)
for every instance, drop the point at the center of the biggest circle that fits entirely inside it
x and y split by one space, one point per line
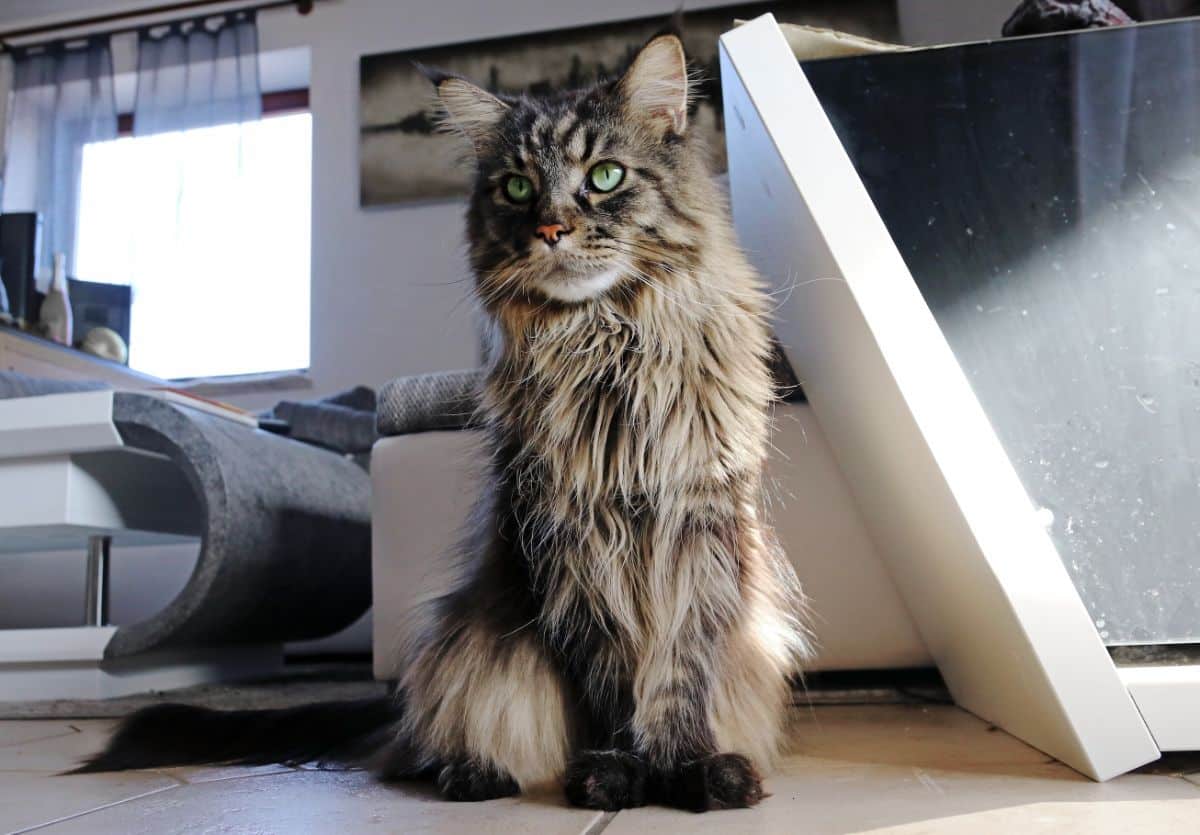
334 733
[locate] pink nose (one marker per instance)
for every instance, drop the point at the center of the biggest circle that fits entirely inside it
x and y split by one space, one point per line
550 232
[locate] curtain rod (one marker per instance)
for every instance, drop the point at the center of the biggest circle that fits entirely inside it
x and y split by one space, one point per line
304 7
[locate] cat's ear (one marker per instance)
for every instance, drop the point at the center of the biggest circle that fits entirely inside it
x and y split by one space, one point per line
655 87
465 108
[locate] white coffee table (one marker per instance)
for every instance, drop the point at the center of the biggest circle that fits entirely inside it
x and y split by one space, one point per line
68 481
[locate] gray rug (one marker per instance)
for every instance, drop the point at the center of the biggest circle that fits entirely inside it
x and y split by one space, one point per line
300 685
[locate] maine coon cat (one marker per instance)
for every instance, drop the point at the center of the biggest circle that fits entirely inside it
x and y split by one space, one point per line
623 621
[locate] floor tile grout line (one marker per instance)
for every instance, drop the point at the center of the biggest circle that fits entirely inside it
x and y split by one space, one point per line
100 808
600 824
285 771
1187 778
6 745
161 772
179 783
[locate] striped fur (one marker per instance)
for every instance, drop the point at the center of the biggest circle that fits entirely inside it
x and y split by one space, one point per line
621 591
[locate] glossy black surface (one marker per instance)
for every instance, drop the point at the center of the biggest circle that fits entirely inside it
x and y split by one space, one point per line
1045 194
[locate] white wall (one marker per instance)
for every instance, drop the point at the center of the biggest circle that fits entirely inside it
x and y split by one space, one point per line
924 22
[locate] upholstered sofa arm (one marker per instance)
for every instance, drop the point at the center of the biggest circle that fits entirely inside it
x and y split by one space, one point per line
425 402
448 399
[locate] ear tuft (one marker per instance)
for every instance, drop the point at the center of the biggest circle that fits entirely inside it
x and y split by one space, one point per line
655 86
466 109
433 75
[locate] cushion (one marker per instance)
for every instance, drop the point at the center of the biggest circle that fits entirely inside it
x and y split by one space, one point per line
448 399
425 402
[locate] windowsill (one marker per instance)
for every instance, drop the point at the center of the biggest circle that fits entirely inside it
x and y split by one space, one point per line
36 355
269 381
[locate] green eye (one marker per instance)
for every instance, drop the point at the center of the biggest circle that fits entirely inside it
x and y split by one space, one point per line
518 188
606 176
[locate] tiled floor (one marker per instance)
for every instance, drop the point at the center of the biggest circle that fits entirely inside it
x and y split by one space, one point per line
876 768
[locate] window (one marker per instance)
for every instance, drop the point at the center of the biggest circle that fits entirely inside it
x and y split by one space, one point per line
210 227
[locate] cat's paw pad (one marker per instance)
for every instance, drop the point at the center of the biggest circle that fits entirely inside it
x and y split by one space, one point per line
722 781
608 780
468 782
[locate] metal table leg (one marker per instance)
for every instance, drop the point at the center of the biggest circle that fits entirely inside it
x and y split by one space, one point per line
96 600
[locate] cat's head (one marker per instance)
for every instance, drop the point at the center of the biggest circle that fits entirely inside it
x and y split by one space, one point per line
577 193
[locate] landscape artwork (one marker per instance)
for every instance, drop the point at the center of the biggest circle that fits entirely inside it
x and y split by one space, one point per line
402 157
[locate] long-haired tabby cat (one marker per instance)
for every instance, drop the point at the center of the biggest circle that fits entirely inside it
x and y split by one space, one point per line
623 621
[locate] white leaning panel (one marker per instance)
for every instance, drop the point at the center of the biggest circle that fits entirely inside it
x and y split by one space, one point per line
990 596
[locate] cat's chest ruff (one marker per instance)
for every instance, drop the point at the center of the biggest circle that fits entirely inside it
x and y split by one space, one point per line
607 366
615 415
598 354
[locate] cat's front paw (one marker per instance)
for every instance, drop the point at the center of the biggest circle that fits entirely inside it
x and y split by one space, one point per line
720 781
608 780
468 781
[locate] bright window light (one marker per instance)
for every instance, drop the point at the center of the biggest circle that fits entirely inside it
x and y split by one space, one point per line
210 227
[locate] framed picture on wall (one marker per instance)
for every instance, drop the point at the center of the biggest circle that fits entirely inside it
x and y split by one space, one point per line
402 157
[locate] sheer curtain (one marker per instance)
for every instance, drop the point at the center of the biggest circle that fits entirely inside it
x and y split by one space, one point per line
197 73
62 100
